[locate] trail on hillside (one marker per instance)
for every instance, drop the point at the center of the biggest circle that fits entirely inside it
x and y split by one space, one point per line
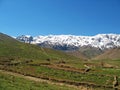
42 80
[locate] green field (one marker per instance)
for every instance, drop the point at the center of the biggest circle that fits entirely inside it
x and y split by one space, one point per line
96 77
55 66
9 82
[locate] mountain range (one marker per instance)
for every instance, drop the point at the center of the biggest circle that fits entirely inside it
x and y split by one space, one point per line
89 46
11 47
67 67
66 42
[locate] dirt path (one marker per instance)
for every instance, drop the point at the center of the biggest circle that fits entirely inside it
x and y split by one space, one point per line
42 80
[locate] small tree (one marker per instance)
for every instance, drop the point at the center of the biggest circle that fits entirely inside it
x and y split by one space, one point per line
30 39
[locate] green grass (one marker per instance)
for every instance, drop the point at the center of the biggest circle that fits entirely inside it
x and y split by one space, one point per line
13 51
10 47
64 75
79 77
9 82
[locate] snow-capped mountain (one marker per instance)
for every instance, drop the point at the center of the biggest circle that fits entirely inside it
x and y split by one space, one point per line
25 38
67 42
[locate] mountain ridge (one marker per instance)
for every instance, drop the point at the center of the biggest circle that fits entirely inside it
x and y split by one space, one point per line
10 47
102 41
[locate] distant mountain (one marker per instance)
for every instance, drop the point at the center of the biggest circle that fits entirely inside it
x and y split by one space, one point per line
89 46
25 38
10 47
112 54
90 52
68 42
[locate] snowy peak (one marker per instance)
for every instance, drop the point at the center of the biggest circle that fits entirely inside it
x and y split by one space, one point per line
25 38
101 41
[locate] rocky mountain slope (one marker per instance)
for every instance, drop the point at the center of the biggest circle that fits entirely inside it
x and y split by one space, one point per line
111 54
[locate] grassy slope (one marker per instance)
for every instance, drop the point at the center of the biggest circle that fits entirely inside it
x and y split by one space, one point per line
12 48
9 82
77 54
90 52
112 54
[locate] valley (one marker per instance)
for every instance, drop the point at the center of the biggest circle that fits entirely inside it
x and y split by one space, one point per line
54 69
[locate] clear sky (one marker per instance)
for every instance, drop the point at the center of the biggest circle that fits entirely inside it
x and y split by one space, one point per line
44 17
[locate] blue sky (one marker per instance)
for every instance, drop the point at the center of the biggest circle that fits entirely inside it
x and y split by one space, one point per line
44 17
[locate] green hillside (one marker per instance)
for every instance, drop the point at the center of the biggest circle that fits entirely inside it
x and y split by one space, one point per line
54 66
9 47
10 82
